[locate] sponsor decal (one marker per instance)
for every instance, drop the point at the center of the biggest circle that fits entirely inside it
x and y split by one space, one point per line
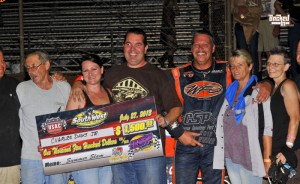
197 117
54 125
143 143
203 89
117 155
203 123
217 71
89 119
118 151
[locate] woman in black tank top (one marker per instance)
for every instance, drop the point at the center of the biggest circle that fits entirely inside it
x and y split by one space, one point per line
96 94
284 108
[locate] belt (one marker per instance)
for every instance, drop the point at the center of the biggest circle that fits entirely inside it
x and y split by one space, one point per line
264 18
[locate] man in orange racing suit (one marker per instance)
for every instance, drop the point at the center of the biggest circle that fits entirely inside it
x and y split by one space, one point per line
201 86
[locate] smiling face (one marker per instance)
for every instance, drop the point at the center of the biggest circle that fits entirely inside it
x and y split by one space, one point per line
135 50
202 50
2 65
276 67
240 70
91 72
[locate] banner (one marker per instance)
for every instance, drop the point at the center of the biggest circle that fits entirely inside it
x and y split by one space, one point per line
98 136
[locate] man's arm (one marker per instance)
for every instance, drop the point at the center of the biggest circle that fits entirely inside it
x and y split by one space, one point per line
187 138
77 90
265 88
58 76
170 117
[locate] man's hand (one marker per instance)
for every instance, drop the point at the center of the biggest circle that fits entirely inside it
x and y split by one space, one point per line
58 76
162 122
188 139
77 91
169 118
265 89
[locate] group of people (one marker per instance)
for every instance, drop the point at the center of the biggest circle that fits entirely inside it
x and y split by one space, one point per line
256 34
240 132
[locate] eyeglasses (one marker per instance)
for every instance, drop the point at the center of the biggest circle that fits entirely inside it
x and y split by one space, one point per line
273 64
33 68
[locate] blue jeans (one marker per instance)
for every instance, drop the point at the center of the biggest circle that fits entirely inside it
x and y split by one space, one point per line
252 48
238 174
102 175
147 171
294 36
189 160
32 171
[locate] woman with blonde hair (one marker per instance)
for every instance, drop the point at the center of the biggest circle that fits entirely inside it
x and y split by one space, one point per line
244 127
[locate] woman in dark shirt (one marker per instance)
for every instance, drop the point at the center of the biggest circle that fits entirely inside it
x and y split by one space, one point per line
284 107
95 94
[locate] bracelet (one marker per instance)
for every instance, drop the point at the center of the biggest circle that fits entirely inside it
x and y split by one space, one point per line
289 144
267 160
177 132
291 137
166 121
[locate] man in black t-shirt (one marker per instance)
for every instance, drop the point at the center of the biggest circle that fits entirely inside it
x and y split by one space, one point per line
10 141
138 79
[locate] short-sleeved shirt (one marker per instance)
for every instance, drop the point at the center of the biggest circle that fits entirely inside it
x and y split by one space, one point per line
128 83
131 83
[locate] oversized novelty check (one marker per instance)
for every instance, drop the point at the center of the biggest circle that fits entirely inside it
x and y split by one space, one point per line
98 136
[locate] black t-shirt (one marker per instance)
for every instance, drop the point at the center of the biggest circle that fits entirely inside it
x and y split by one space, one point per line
131 83
10 142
